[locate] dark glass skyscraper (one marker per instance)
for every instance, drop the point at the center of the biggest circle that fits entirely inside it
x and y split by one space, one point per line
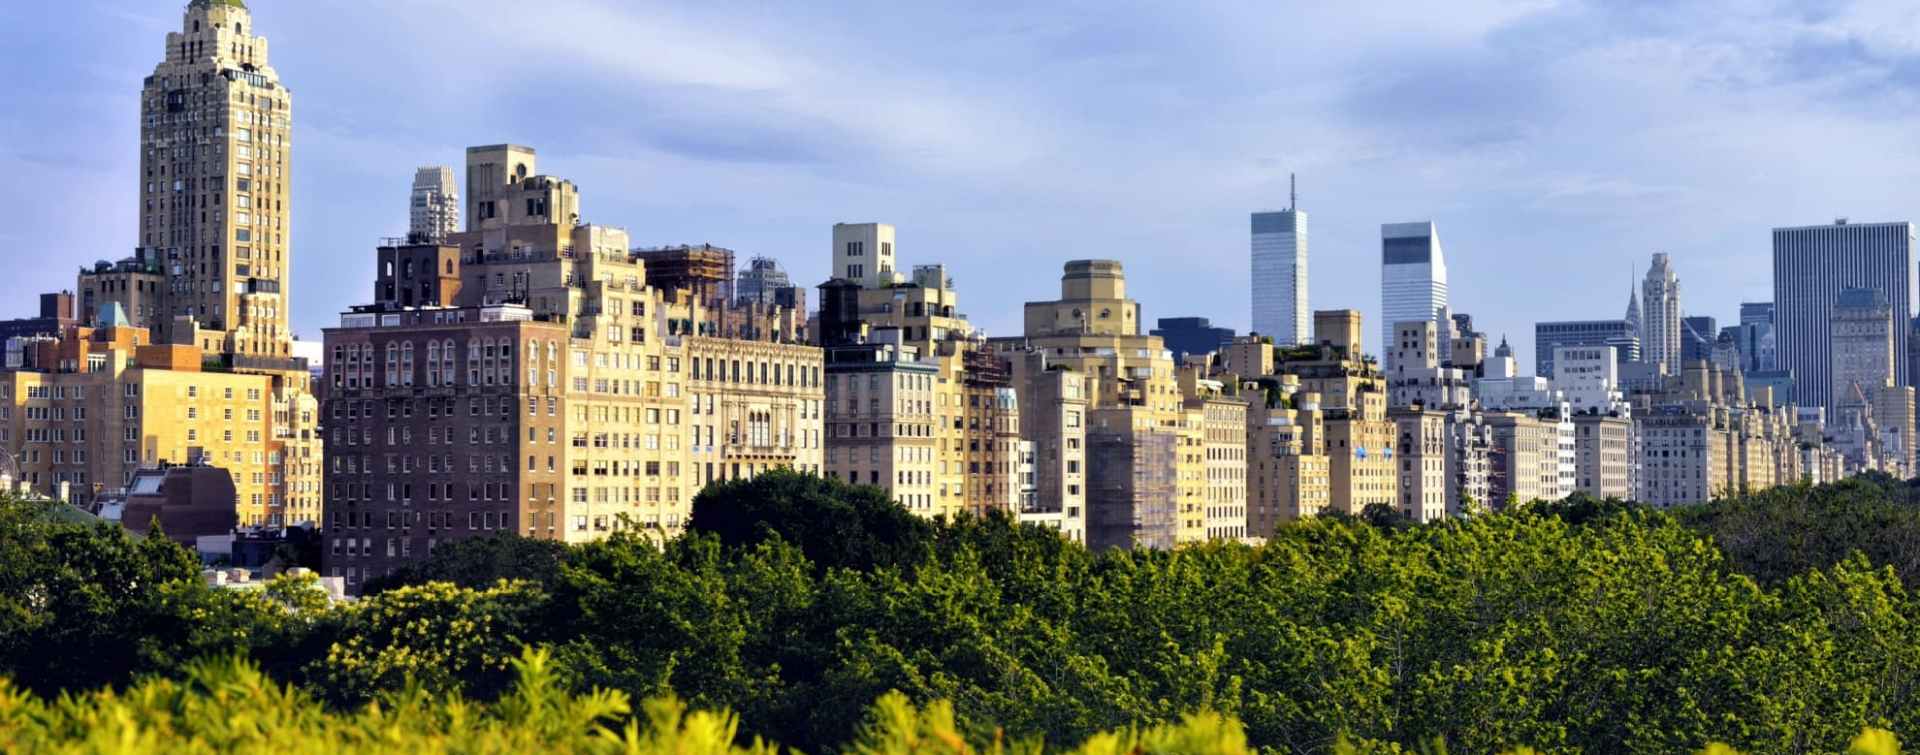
1192 335
1548 336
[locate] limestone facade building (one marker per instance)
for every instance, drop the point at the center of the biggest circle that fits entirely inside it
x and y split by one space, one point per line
527 375
1524 460
1289 475
1360 437
1604 443
1093 331
210 267
1223 418
84 412
882 423
1053 421
215 151
1424 449
973 462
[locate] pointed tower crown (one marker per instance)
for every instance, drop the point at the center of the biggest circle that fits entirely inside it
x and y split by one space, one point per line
1633 317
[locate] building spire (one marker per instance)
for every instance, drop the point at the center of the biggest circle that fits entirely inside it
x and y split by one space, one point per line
1293 193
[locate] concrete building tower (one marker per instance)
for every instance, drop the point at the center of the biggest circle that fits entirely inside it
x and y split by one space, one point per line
1280 275
863 253
434 210
1413 278
1661 326
214 204
1812 265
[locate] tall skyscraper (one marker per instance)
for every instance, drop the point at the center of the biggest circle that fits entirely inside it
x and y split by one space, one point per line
434 212
1661 323
1280 275
214 205
207 284
1413 277
1812 265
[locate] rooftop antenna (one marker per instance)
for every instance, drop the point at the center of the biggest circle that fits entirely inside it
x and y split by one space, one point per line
1293 194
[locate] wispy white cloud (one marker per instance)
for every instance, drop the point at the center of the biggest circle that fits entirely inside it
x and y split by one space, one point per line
1545 136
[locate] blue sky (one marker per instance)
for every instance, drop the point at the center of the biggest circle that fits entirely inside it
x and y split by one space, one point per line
1556 143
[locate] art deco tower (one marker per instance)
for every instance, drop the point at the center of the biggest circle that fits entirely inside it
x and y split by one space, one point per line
1660 336
215 127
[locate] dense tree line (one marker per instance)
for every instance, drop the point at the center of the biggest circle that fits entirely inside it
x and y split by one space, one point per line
1778 622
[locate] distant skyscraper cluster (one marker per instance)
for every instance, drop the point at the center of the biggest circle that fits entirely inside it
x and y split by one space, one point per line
434 212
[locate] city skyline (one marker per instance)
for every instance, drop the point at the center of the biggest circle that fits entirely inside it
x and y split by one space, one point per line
673 179
643 379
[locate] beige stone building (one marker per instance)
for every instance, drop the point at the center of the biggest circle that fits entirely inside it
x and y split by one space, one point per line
1223 429
1289 476
881 423
1422 452
211 264
527 375
1604 467
1053 421
1249 357
1353 395
85 411
1524 462
971 452
1684 457
1093 331
754 406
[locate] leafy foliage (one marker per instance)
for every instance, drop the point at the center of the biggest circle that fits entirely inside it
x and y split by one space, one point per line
1777 534
834 524
796 603
481 562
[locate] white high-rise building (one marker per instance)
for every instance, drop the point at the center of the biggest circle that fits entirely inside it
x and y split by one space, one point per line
1661 326
434 212
1279 257
1589 377
1413 278
863 253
